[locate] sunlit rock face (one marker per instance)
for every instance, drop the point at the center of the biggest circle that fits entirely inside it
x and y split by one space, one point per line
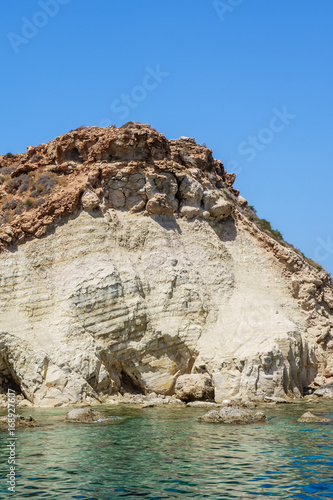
141 266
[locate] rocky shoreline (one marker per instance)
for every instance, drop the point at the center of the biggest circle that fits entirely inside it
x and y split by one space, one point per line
227 413
153 400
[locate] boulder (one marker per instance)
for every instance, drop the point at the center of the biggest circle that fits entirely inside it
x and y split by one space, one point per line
233 415
191 191
189 212
148 405
310 417
86 415
242 201
89 200
276 400
325 391
20 422
194 387
202 404
221 209
159 204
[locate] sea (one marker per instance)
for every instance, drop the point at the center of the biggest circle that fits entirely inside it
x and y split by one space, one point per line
168 453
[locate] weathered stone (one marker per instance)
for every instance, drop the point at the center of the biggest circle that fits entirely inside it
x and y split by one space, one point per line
194 387
5 237
277 400
242 201
191 191
189 212
158 205
221 209
328 298
233 415
202 404
20 422
325 391
310 417
89 200
85 415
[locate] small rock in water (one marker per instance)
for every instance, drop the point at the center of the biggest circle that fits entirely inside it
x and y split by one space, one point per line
233 415
84 415
202 404
276 399
310 417
249 404
20 422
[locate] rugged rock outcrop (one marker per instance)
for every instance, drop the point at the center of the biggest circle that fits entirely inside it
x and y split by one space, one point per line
20 422
84 415
233 415
309 417
128 261
325 391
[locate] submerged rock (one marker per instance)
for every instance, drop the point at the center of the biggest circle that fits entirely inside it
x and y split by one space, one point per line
310 417
233 415
86 415
20 422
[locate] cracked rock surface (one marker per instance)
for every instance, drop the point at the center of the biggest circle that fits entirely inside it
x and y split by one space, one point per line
141 265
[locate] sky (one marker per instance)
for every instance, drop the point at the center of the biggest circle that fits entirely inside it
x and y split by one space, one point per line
252 79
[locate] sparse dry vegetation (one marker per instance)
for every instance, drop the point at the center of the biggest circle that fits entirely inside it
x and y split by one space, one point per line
30 203
36 158
264 224
43 185
26 191
7 170
18 184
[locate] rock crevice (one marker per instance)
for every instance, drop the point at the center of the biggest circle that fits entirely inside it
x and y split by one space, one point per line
129 261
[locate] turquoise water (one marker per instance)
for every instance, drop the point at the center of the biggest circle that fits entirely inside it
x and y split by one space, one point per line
164 453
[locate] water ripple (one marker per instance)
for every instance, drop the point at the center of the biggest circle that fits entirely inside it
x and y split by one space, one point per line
163 453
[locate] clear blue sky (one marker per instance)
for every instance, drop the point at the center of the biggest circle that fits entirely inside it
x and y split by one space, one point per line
221 72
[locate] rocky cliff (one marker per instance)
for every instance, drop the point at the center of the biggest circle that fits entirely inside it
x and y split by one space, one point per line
128 260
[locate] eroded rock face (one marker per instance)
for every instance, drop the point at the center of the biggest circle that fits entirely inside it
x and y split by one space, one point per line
149 269
325 391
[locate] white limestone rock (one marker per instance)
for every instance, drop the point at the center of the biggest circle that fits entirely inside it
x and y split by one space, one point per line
89 200
194 386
